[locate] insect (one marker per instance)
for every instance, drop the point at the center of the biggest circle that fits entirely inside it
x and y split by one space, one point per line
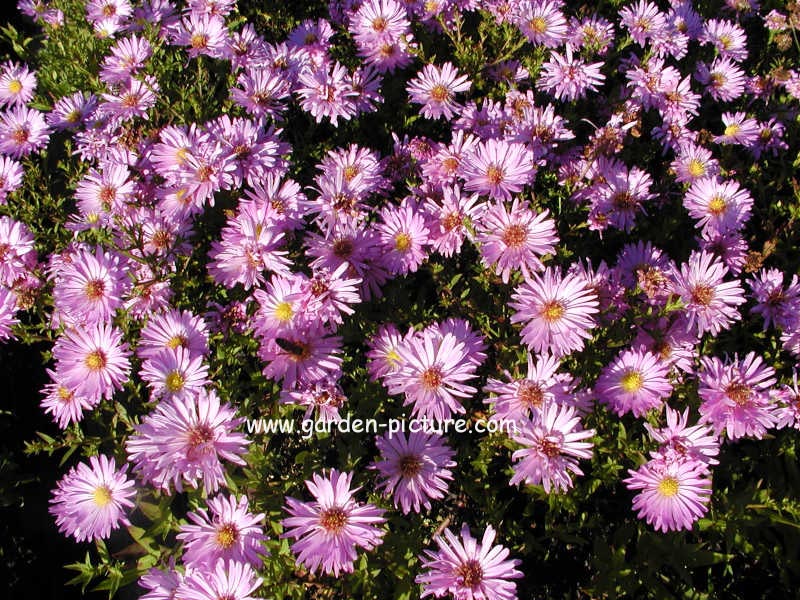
291 347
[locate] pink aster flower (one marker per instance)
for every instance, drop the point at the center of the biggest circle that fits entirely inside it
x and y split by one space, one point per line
515 237
432 373
303 356
17 250
467 569
11 173
693 162
328 531
434 88
226 531
448 218
173 329
497 168
521 398
203 34
542 22
643 20
404 237
90 289
739 129
635 382
383 358
22 131
673 496
326 92
553 441
414 469
778 305
737 396
724 80
558 311
718 206
92 499
185 440
709 302
92 361
569 78
228 579
17 84
62 402
679 441
174 372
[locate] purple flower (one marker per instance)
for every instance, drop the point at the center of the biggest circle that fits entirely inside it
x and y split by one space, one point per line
737 396
227 531
497 168
710 303
328 531
229 580
468 568
432 374
184 439
635 382
553 441
414 469
569 78
515 237
557 312
434 88
92 500
674 494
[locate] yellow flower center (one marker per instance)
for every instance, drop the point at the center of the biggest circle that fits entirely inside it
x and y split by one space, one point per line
177 340
333 519
668 487
538 25
102 496
552 311
402 242
696 168
283 312
174 382
439 93
732 129
717 206
631 381
227 536
514 236
95 360
15 86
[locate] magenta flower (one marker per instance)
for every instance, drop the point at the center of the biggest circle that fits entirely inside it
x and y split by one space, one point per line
185 440
542 22
557 312
679 441
171 330
569 78
17 84
92 500
227 531
23 130
432 371
515 237
737 396
469 569
404 237
229 580
710 303
414 469
174 373
553 442
328 531
718 206
673 496
497 168
637 381
434 88
92 361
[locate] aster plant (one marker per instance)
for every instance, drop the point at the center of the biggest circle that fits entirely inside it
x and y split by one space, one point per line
298 291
